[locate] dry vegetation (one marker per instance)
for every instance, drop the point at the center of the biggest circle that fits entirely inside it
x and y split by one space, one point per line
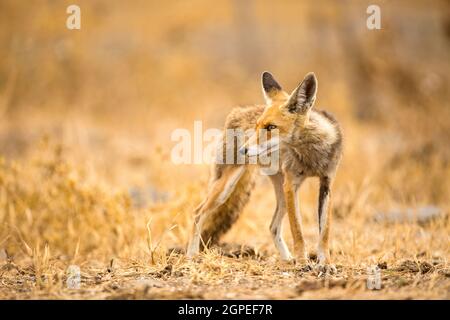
85 123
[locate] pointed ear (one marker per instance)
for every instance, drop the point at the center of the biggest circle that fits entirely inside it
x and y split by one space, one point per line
270 87
303 97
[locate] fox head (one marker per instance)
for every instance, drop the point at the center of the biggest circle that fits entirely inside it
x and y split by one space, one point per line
283 114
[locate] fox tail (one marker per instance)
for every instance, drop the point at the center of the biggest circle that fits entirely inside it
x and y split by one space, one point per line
233 200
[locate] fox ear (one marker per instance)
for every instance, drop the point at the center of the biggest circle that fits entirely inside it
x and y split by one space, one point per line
303 97
270 87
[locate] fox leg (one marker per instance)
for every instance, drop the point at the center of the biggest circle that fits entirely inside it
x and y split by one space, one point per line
218 193
277 220
290 188
324 220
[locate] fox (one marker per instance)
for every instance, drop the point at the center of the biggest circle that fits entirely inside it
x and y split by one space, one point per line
309 143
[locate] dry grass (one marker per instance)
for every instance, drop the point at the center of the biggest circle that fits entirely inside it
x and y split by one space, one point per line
85 171
53 218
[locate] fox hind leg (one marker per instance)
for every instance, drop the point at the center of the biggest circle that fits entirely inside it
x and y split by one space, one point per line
324 213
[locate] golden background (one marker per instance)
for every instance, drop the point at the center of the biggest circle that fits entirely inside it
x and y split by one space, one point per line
86 117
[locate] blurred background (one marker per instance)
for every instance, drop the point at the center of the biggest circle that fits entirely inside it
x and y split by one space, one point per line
86 115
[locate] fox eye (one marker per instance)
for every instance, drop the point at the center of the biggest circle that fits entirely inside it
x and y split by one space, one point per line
270 127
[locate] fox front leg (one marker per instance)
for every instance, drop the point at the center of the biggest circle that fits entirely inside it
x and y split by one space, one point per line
277 220
290 188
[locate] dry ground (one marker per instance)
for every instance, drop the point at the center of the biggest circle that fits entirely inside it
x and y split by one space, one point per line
57 212
86 116
213 276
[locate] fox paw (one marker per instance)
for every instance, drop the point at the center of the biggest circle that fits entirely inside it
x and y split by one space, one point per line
323 269
288 259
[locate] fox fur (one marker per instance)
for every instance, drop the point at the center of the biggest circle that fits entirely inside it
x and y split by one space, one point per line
310 145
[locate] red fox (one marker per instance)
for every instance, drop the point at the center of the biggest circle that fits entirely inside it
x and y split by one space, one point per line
309 143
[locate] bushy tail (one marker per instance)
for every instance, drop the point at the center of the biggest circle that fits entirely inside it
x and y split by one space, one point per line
221 219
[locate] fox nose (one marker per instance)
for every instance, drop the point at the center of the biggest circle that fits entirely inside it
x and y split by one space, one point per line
243 151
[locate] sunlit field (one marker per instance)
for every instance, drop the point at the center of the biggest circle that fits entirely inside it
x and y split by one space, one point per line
86 177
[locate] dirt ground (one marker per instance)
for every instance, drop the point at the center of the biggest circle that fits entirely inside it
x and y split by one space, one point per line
92 202
237 274
59 213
